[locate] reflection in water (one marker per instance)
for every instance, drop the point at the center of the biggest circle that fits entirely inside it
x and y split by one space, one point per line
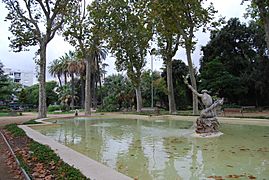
165 150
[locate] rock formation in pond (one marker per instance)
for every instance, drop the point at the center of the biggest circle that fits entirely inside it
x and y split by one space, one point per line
207 122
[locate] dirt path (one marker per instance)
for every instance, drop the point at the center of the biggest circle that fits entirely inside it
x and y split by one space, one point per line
26 117
7 172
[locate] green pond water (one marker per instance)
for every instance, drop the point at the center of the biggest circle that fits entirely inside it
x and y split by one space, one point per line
163 149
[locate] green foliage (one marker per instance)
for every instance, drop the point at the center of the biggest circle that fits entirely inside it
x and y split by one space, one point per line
46 155
146 79
26 22
110 104
29 95
235 65
67 171
128 31
15 130
22 163
258 10
36 23
52 108
43 153
7 88
182 94
118 93
52 97
4 114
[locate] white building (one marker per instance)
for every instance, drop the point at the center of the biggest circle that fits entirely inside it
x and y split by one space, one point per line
25 78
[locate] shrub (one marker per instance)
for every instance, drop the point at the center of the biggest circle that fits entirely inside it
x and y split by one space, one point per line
15 130
110 105
52 108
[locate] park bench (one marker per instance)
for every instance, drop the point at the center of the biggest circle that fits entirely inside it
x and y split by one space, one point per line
247 108
150 109
233 110
15 112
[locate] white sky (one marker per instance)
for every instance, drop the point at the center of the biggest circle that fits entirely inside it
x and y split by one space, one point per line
57 47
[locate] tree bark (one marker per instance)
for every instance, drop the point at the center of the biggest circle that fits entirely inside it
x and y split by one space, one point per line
193 81
73 92
65 78
88 97
42 106
100 89
93 86
171 96
82 101
138 98
59 79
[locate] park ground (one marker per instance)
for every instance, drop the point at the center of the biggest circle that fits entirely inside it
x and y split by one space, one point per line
9 172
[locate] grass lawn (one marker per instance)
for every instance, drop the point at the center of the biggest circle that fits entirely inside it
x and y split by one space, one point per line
4 114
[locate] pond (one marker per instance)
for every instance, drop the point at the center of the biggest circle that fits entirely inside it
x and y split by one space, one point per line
165 149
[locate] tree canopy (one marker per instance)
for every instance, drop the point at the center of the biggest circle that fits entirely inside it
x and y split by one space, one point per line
36 23
234 63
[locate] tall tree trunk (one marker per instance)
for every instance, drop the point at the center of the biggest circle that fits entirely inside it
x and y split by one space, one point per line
93 91
101 92
171 96
193 81
82 100
42 106
88 97
138 98
59 79
73 91
65 78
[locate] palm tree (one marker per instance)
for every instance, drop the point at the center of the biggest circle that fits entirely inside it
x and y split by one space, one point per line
98 54
63 66
55 70
72 68
82 73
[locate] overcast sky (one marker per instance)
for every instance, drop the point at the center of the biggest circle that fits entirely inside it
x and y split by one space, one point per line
57 47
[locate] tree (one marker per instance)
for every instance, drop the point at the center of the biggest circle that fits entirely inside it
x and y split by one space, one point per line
6 86
147 78
176 25
128 32
259 10
99 54
55 70
32 94
182 97
118 93
36 23
168 41
73 69
78 34
234 63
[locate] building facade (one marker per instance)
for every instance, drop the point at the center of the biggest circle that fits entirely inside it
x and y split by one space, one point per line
25 78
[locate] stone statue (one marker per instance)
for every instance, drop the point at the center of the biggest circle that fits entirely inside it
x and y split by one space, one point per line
207 122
